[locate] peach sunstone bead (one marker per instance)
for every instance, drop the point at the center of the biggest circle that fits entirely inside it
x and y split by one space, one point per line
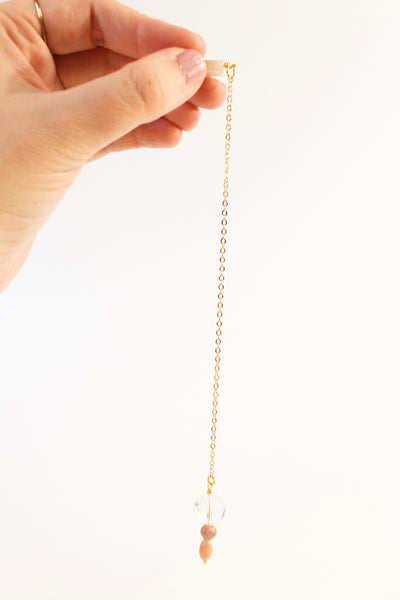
208 532
205 551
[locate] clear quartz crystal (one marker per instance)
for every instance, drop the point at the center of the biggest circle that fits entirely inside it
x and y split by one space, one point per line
210 508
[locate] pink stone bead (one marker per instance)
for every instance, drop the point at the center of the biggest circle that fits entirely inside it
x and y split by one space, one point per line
208 532
206 549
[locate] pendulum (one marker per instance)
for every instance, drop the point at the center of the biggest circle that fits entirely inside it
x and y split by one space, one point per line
210 508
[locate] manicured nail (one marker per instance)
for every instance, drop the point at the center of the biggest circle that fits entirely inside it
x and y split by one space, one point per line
192 64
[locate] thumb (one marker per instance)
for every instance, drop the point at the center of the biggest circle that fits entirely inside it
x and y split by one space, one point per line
91 116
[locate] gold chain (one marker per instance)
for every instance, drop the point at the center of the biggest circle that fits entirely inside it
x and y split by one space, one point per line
230 71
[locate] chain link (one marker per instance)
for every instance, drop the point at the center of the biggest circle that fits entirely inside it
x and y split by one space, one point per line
230 71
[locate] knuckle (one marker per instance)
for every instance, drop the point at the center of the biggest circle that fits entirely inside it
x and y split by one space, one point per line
149 92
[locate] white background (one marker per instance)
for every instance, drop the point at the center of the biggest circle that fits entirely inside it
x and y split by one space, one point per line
107 336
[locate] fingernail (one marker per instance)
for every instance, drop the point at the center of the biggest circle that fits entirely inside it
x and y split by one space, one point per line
192 64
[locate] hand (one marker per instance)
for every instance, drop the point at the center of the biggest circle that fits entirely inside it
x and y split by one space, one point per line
110 79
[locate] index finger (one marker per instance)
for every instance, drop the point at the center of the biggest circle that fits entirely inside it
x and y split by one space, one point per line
76 25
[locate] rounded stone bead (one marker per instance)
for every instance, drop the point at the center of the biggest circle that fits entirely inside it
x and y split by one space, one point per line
210 508
206 549
208 532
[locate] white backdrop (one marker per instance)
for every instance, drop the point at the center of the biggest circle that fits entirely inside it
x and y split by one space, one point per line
107 336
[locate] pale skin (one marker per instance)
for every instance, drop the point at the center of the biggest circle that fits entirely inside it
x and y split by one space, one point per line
110 79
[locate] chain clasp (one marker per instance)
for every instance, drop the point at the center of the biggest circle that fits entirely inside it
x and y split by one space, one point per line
230 69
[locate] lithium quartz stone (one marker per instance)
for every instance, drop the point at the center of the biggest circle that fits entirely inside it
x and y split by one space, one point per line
206 549
215 68
208 532
210 508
